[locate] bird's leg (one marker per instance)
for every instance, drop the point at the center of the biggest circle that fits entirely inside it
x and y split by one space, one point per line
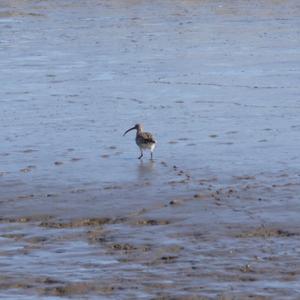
151 155
141 154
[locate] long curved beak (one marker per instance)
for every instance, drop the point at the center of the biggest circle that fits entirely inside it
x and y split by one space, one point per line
129 130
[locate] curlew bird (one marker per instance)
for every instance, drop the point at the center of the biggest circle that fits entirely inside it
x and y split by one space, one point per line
144 140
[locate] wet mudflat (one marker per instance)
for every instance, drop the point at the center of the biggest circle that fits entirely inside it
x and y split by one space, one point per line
215 215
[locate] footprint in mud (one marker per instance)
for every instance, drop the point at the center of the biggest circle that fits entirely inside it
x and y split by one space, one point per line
244 177
73 159
3 173
207 180
174 182
226 143
113 187
36 239
77 191
139 212
283 175
175 202
58 163
72 96
27 169
24 197
105 156
136 100
164 163
50 75
14 236
28 151
4 154
295 126
51 195
200 196
180 173
118 153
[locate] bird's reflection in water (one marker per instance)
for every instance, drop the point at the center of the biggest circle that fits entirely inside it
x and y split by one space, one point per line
146 169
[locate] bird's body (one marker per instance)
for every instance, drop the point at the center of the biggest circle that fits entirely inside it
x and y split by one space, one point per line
144 140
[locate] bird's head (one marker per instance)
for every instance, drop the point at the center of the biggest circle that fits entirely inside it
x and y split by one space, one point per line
138 127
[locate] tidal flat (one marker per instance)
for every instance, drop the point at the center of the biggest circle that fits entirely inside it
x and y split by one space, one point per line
215 215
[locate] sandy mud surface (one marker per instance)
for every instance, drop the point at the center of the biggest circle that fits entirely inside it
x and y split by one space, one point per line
215 215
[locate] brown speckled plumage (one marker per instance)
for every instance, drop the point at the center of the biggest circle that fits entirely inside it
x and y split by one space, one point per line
145 140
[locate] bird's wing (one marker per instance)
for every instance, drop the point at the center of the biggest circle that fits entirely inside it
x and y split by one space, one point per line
148 138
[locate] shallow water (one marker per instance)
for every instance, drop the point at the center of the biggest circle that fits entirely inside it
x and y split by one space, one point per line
218 84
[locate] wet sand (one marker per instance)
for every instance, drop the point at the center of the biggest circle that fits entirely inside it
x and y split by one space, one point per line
215 215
